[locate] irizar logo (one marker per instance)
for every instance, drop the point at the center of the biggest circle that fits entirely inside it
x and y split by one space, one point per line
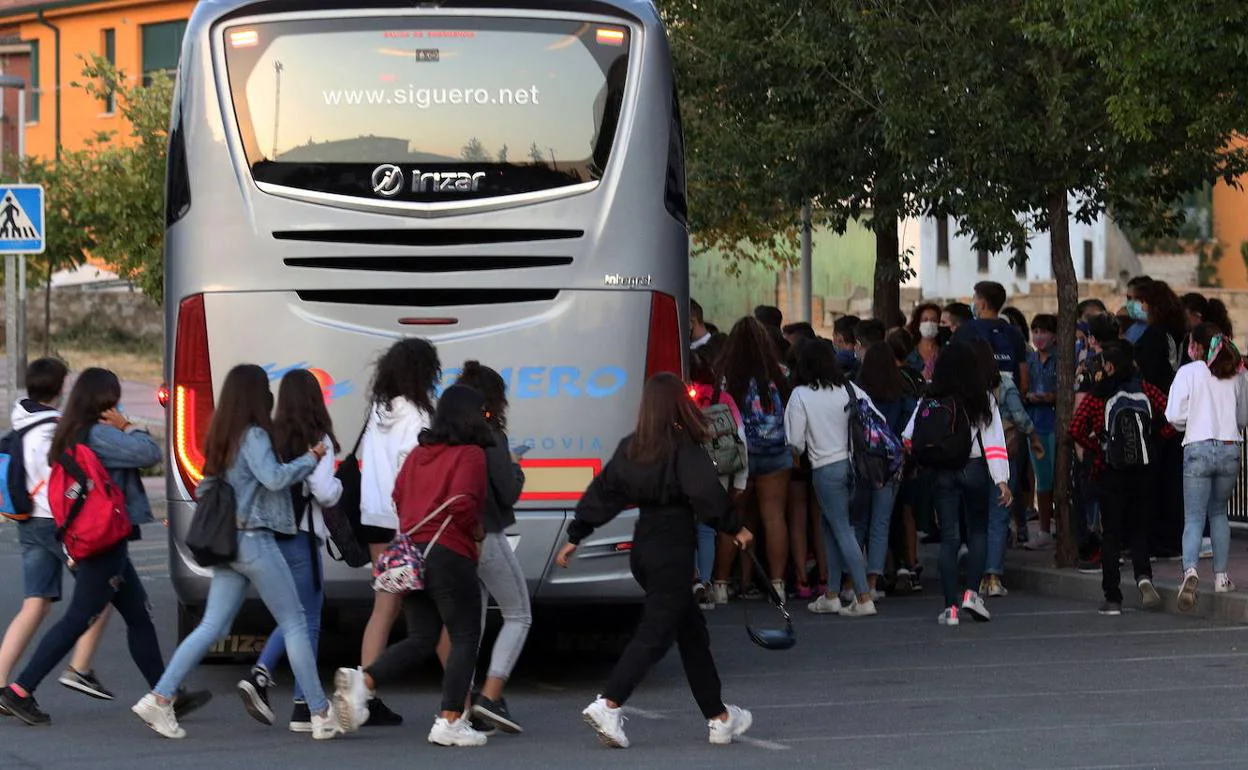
387 181
627 281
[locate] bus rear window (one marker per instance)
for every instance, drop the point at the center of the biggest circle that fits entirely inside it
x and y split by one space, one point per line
427 110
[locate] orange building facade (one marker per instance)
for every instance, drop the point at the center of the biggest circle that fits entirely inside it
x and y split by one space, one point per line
1230 227
138 37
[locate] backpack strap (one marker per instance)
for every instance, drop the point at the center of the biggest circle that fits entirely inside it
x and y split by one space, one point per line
49 421
430 518
367 417
79 475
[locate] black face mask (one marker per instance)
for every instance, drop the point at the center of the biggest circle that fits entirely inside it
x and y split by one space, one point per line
944 335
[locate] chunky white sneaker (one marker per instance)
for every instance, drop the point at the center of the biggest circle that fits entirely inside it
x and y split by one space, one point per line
719 592
974 604
1149 598
949 617
825 606
1187 591
857 609
326 727
457 733
991 586
158 716
350 698
1222 583
607 722
1039 542
739 720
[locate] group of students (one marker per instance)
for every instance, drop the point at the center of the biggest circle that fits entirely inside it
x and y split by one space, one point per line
439 471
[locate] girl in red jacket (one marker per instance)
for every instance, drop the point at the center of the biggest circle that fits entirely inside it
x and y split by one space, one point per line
448 465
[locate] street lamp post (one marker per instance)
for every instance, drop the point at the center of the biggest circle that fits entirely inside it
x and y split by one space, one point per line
15 269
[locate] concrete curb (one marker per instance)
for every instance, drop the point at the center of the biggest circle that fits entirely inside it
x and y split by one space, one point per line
1076 586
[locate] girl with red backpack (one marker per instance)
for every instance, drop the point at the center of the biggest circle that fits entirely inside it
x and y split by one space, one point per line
98 442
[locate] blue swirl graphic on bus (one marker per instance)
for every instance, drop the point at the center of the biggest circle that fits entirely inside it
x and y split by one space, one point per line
528 382
332 389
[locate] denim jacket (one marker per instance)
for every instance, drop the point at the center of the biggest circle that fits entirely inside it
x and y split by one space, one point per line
262 484
124 454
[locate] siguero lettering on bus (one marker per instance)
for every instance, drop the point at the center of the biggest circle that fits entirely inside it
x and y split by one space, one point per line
553 382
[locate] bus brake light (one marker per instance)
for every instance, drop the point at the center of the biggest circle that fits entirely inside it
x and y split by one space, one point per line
192 391
664 353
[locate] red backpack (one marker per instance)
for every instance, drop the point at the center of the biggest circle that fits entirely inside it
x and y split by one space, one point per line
88 507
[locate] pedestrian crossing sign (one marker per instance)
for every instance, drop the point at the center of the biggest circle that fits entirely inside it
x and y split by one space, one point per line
21 219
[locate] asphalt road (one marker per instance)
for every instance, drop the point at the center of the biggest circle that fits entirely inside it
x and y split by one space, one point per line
1047 684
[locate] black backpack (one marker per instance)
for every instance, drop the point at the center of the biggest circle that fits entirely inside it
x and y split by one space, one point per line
1128 429
16 503
213 536
343 519
942 435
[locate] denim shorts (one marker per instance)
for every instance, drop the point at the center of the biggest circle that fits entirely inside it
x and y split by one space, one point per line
42 559
765 465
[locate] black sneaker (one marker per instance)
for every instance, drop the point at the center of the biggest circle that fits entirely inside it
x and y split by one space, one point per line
254 690
495 712
1110 608
482 726
301 718
185 703
379 715
25 709
1090 566
85 683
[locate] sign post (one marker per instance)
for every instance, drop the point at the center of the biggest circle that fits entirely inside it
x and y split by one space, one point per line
21 232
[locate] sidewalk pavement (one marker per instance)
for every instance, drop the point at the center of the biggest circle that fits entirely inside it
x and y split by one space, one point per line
1033 572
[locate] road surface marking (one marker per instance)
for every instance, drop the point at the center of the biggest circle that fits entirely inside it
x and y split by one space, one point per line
756 742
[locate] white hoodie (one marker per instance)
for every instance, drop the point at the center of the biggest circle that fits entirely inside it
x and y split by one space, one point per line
324 489
35 447
392 433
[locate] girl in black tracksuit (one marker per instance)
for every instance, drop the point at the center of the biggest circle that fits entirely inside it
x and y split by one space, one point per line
663 470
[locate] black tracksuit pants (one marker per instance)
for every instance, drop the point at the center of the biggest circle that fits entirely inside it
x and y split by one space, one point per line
669 615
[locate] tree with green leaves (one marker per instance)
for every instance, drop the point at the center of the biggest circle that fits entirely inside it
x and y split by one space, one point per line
1019 114
125 199
780 108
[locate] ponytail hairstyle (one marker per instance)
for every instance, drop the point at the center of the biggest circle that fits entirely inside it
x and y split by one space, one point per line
1221 355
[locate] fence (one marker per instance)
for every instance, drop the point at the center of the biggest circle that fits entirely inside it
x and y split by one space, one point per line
1239 498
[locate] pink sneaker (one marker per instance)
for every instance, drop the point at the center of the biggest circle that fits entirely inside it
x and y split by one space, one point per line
804 592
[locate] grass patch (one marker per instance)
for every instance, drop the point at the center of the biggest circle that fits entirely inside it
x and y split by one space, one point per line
132 357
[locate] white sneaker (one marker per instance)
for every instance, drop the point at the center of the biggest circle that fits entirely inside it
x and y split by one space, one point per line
1187 591
857 609
607 722
350 701
719 592
1039 542
1223 584
825 606
876 594
457 733
326 727
778 587
949 617
158 716
739 720
974 604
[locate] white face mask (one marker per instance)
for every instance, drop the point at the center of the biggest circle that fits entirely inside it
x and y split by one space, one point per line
929 329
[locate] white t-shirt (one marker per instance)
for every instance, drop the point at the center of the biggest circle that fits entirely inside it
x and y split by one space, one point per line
816 422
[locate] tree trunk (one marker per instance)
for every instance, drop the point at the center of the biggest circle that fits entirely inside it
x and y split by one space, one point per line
886 297
1067 308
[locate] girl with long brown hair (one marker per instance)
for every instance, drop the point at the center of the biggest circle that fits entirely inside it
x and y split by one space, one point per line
239 452
752 375
1209 402
663 470
301 420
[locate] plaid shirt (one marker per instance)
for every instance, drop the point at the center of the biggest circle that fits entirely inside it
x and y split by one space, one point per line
1087 428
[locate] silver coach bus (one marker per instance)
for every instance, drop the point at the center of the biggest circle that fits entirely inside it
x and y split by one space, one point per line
503 178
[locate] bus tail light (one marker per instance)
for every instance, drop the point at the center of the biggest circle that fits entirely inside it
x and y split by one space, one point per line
192 391
664 353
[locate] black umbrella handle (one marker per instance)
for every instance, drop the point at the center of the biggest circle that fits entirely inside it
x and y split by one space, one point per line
760 577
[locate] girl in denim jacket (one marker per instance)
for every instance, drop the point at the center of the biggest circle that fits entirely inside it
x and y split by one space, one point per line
239 452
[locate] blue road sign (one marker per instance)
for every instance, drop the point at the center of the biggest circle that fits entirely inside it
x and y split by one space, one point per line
21 219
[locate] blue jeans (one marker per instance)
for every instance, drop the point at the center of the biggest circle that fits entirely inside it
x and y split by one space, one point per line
873 523
705 561
999 524
303 555
1210 469
834 488
956 491
259 563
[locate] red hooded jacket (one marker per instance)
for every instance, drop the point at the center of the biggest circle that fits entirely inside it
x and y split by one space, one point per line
430 476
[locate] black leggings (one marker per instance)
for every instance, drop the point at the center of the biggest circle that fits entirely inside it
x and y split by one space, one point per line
670 615
452 598
108 577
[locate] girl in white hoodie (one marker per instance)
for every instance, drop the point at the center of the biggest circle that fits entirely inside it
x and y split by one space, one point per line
402 406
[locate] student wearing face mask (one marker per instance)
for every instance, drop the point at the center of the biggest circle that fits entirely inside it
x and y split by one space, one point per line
1041 402
925 330
1136 313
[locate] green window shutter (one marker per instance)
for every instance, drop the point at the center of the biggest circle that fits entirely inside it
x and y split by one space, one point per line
110 55
161 47
32 112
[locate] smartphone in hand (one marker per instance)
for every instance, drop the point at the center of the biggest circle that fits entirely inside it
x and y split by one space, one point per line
520 450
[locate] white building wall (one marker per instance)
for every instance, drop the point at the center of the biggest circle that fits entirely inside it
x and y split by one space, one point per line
958 276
